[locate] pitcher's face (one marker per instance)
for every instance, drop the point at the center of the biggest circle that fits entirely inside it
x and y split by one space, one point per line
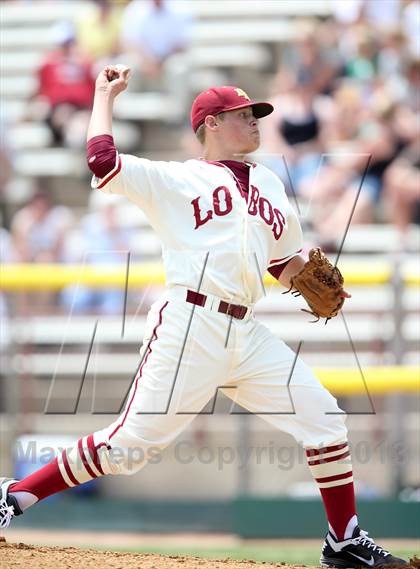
240 131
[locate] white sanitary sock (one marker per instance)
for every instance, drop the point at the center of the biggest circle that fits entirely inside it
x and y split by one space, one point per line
24 499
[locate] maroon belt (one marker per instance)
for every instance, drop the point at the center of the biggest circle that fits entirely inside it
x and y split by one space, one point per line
234 310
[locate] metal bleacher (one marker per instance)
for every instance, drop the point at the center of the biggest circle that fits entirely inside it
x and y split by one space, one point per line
41 353
228 36
231 39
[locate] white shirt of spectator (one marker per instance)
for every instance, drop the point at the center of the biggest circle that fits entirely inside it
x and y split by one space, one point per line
43 235
411 24
384 14
159 32
377 12
204 221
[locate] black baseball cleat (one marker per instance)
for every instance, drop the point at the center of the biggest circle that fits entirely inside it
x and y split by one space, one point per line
9 508
357 552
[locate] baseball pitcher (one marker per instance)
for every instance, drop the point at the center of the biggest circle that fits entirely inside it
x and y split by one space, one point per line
223 221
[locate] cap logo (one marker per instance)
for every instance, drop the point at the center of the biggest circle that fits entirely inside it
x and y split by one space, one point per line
241 93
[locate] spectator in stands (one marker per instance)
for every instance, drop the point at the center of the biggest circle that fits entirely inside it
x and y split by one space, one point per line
6 256
411 25
413 85
293 139
351 11
310 57
39 230
66 86
101 240
98 31
156 33
385 17
360 64
329 124
390 62
292 144
6 167
358 135
402 189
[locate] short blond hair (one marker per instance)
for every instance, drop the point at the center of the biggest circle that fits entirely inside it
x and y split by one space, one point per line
200 133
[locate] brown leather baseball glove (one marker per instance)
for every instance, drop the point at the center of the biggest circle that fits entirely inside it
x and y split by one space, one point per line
321 285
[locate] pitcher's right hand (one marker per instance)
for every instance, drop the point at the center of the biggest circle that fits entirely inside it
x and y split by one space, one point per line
113 79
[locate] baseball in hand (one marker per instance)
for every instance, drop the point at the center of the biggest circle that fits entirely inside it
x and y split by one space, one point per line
117 71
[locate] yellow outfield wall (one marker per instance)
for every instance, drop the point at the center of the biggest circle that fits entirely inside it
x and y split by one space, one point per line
380 380
15 277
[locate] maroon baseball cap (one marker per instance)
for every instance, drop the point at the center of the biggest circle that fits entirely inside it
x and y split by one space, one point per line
220 99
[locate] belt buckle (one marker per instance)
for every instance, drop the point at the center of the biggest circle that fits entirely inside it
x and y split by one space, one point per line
230 307
236 311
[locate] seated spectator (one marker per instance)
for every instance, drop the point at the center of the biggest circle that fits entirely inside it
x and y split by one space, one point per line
402 189
382 18
347 97
411 24
156 33
314 58
6 166
389 60
356 133
379 15
98 30
6 256
361 64
66 86
39 230
101 240
292 138
413 84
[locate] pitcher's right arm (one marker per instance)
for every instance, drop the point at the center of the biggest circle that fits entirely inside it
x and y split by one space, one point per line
111 81
101 151
141 180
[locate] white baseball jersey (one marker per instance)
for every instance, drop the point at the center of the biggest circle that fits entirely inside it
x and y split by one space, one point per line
205 221
197 207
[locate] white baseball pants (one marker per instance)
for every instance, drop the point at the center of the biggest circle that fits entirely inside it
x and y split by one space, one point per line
189 352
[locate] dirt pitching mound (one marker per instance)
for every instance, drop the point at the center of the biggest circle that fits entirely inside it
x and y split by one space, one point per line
19 555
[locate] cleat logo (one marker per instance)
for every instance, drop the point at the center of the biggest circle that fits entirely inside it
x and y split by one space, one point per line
370 562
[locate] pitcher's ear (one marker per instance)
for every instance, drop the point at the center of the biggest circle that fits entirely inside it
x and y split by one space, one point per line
211 122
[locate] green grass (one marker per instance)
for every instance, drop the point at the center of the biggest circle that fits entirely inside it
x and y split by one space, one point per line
301 554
